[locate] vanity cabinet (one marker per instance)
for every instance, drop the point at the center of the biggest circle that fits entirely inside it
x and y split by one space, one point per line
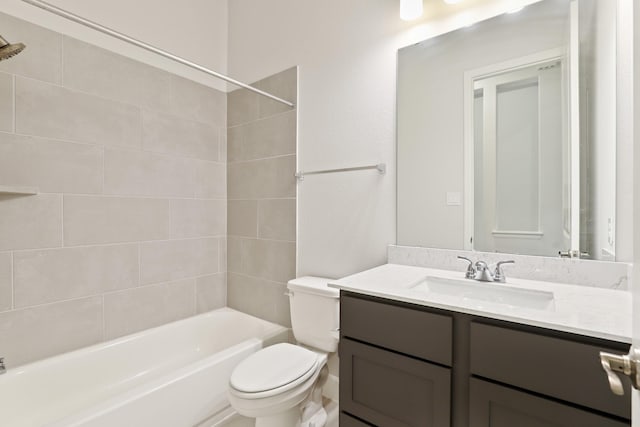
408 365
391 373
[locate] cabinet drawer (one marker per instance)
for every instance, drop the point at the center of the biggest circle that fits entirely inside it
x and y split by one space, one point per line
555 367
413 332
347 421
494 406
388 389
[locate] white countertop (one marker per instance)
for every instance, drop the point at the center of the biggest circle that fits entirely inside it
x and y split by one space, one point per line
594 312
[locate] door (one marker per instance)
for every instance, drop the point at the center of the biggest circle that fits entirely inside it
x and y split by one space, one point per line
519 145
624 11
629 17
388 389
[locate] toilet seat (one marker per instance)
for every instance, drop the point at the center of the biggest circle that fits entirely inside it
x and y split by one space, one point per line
283 398
273 370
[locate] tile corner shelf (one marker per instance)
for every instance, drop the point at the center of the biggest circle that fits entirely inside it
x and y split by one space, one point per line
17 190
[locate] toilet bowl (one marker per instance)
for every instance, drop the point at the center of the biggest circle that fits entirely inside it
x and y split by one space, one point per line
281 385
275 380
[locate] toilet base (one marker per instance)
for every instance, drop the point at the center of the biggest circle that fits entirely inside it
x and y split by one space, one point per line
292 418
289 418
318 419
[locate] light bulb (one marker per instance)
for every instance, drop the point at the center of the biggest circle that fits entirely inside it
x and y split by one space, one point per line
410 9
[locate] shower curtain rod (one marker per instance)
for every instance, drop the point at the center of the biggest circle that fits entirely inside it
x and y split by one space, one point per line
87 23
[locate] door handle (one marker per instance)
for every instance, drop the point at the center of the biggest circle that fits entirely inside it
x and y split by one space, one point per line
614 364
573 254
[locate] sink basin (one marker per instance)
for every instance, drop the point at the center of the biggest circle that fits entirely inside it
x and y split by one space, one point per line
471 290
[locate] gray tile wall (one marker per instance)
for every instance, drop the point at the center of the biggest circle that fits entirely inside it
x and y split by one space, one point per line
261 187
129 228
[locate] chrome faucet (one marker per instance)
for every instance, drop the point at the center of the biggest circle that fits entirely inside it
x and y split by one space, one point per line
471 271
3 369
482 272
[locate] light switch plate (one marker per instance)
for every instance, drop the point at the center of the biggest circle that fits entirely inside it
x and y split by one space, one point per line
454 198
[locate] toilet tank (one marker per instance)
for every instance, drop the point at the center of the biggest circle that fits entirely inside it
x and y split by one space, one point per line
315 312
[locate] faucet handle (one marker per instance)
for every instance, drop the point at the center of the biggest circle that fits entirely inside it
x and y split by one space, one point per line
471 272
498 275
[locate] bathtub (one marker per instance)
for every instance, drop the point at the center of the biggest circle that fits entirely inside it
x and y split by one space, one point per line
171 376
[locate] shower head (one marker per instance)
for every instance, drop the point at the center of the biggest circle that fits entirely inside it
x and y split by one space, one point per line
8 50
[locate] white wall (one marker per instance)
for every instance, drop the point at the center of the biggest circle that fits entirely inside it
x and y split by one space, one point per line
599 94
346 51
194 29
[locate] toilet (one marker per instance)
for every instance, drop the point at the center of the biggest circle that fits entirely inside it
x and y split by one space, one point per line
281 385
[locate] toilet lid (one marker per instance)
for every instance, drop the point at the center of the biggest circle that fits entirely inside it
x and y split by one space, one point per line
272 367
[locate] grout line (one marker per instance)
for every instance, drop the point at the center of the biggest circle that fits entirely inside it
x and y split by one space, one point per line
257 218
13 105
133 242
139 245
62 218
161 283
234 236
171 215
106 293
13 283
258 199
220 136
226 289
219 254
52 139
260 119
61 60
104 321
104 170
195 296
279 156
124 196
269 281
141 149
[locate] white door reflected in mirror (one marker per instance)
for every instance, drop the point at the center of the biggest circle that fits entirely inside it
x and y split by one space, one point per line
520 149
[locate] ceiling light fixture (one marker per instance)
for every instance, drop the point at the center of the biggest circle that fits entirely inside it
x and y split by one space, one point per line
410 9
452 1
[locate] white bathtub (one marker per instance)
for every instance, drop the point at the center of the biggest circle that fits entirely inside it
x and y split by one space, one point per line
172 376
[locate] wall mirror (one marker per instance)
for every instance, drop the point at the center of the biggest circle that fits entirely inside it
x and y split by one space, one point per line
506 134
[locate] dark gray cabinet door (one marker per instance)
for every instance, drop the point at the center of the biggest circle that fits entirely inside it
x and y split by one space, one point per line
564 369
492 405
388 389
